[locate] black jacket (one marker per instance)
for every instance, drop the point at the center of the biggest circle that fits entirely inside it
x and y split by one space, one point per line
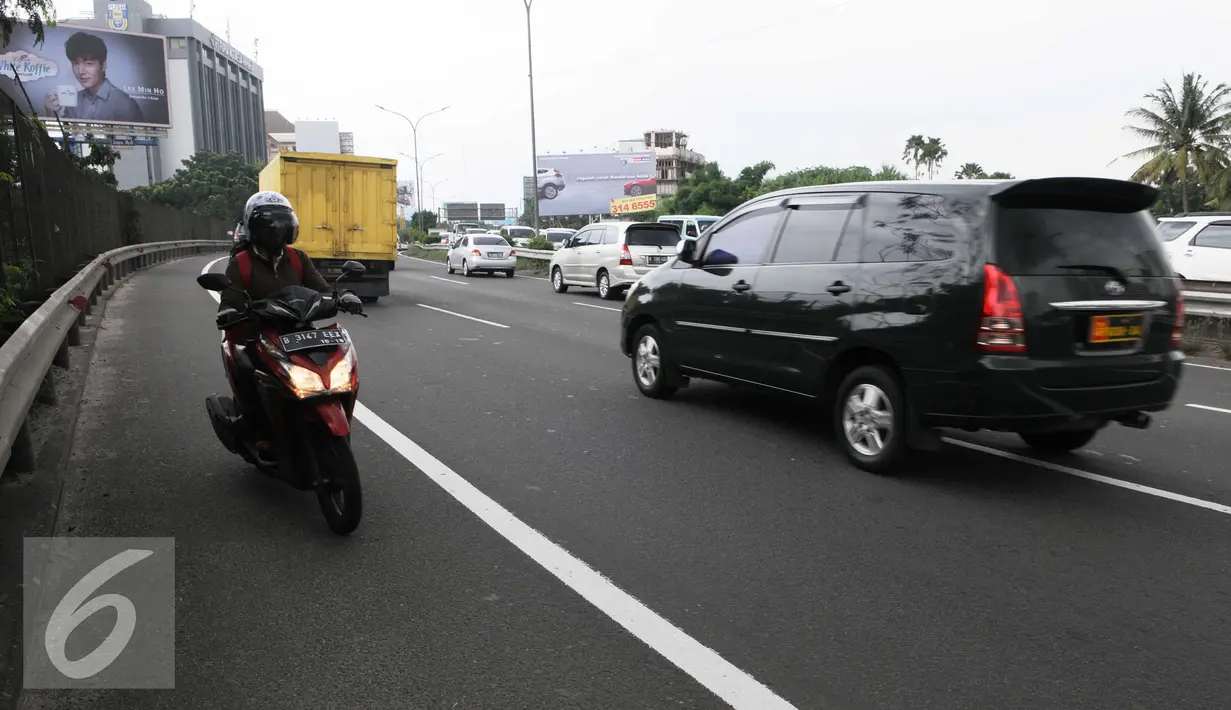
267 278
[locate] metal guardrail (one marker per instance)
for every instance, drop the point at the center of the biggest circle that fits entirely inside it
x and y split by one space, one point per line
1209 303
42 340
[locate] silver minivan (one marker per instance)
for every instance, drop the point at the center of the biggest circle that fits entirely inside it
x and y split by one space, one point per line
690 225
612 256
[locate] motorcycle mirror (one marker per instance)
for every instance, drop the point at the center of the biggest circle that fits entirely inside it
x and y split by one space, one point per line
352 270
214 282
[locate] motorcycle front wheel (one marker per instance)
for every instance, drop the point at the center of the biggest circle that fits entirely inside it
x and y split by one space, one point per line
340 495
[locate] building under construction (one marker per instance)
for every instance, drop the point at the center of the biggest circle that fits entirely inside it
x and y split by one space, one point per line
675 160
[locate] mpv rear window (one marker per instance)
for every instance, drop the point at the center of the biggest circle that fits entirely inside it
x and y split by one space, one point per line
1171 230
647 236
1043 242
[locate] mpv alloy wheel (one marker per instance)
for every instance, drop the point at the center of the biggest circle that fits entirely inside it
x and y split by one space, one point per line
604 286
557 281
649 364
870 418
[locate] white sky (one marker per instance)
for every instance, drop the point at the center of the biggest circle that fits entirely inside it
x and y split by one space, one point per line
1032 88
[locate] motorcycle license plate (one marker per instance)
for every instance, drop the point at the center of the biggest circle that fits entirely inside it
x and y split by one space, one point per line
309 339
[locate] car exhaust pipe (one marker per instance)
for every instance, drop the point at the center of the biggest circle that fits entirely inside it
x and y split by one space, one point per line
1135 420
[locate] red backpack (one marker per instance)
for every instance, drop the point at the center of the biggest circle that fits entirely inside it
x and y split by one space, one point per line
245 265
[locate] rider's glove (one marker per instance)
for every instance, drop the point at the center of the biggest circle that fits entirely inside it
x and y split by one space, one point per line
227 318
350 303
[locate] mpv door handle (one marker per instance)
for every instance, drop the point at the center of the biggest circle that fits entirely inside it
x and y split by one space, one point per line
742 286
1188 253
838 288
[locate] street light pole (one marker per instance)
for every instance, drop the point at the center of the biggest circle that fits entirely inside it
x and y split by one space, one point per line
414 130
534 148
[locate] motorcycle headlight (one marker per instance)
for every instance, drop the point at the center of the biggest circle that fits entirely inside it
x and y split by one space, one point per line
305 381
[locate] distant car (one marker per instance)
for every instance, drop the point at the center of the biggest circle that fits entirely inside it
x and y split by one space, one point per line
1044 307
551 182
612 256
557 235
1198 245
690 225
484 253
519 236
637 188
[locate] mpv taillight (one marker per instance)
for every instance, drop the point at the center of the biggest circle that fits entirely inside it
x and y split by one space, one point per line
626 256
1001 329
1177 334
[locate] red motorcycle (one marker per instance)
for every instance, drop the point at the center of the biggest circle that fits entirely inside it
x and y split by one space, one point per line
307 379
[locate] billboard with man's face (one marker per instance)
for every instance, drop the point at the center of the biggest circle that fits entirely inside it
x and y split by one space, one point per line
596 183
88 75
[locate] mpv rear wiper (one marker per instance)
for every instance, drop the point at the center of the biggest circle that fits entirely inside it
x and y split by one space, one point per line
1109 270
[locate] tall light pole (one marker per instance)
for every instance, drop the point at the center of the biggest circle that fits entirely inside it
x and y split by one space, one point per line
434 184
414 130
534 148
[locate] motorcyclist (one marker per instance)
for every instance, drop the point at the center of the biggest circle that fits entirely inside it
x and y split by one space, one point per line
262 263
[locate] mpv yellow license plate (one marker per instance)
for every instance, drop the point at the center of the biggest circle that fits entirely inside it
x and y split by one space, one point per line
1125 328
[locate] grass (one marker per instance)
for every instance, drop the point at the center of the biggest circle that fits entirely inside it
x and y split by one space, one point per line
533 267
1207 336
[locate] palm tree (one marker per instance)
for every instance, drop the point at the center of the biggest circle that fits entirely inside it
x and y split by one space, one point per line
913 154
1191 131
970 171
934 153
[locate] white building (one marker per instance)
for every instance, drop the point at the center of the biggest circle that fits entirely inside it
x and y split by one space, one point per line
306 136
675 161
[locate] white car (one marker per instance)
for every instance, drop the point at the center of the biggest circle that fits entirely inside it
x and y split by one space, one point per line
551 182
690 225
612 256
519 236
557 235
1198 245
484 253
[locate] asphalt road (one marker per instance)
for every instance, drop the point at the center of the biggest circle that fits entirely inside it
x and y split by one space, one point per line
981 581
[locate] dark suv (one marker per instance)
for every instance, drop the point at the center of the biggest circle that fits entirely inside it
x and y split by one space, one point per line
1045 307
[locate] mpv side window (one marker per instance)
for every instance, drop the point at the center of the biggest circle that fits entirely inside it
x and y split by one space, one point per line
812 234
610 235
905 227
1215 236
1172 230
743 242
580 238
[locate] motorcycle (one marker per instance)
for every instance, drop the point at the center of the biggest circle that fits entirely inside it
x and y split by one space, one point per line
307 379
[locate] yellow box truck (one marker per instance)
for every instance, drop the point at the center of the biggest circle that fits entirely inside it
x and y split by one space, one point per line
347 207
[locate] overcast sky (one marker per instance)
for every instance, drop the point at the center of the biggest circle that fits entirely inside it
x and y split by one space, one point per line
1032 88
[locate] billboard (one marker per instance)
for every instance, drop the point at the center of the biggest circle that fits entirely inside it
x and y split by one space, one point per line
88 75
595 183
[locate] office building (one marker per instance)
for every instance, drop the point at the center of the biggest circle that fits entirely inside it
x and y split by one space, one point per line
216 94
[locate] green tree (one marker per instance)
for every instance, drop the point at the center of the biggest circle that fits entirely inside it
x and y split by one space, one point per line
970 171
999 175
889 173
1188 133
933 154
709 191
429 219
913 153
99 162
35 14
214 184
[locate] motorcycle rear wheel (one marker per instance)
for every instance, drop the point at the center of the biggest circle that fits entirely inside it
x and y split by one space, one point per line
341 498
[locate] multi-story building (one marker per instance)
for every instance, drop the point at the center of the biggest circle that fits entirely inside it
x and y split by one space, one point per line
675 160
216 95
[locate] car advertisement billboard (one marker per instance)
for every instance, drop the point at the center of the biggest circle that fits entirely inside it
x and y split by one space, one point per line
88 75
596 183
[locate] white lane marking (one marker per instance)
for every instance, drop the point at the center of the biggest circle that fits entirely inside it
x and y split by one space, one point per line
1216 507
720 676
206 271
459 315
450 281
711 670
1206 406
591 305
1209 367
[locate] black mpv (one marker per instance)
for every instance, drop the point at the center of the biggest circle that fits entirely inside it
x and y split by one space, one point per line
1045 307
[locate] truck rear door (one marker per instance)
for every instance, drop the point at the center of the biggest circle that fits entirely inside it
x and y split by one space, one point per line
369 212
314 185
